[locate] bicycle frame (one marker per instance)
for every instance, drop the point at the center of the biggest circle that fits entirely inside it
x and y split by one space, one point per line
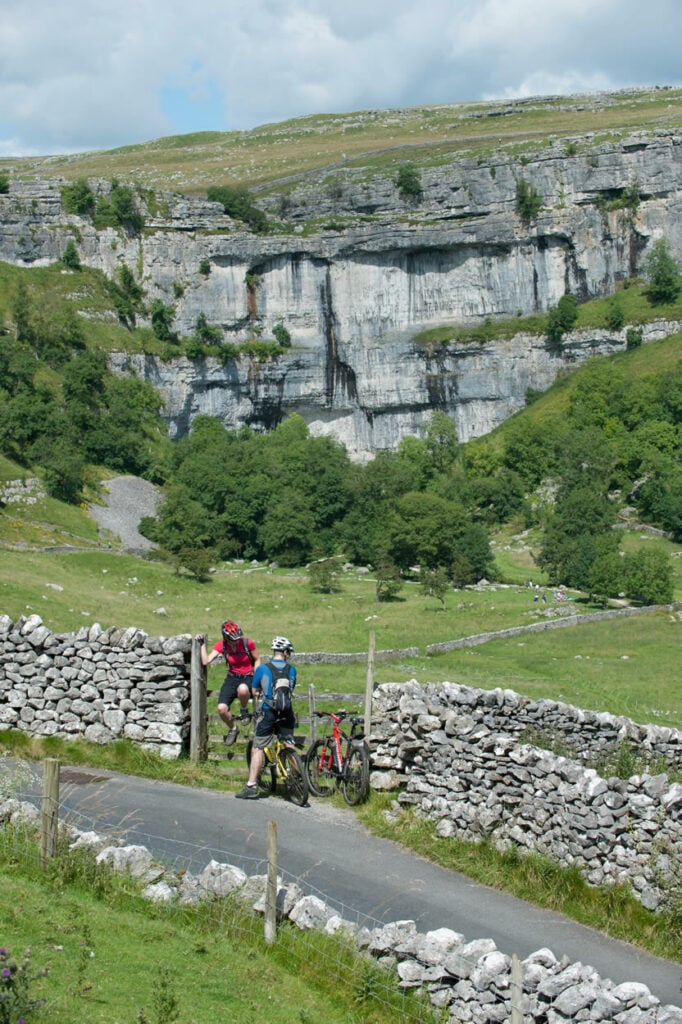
333 758
273 756
340 757
282 763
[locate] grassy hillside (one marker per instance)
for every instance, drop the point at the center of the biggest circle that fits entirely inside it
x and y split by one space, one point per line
372 139
625 666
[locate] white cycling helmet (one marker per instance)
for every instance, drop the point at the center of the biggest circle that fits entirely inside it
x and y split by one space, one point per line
280 643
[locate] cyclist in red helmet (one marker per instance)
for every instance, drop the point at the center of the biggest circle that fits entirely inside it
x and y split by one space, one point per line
242 660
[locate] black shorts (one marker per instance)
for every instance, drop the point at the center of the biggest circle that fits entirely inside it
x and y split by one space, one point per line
270 722
228 691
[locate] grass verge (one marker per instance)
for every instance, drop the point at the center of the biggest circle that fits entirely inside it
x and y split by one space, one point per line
117 958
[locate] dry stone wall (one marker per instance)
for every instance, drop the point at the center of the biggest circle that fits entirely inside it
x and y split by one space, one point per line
458 755
99 684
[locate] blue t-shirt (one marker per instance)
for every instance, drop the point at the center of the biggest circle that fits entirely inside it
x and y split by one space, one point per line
262 679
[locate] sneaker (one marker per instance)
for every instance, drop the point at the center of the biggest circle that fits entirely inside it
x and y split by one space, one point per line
248 793
231 736
244 715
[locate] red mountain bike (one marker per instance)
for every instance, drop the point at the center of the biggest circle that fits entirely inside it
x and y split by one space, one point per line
339 759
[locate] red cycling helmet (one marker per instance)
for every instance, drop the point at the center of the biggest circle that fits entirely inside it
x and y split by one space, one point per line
231 631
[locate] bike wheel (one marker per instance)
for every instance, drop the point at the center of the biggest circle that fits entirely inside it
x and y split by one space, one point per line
267 779
356 775
295 782
321 777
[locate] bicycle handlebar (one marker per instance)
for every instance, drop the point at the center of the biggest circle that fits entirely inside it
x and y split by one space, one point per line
340 715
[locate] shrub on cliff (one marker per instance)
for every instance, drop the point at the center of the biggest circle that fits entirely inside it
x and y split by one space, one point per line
78 198
562 318
237 203
409 182
528 201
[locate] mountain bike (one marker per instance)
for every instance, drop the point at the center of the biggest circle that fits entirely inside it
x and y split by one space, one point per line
281 763
340 759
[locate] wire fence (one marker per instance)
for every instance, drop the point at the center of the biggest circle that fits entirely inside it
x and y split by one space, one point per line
323 938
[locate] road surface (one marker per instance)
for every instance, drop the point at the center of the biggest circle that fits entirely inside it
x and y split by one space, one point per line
366 879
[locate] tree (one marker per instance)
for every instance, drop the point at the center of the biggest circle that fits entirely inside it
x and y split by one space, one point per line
562 317
615 316
127 296
123 207
660 497
661 270
578 532
422 529
4 183
70 257
195 561
181 523
409 182
607 576
237 202
434 583
474 546
23 314
287 532
441 441
78 198
528 201
389 582
162 321
208 334
63 469
649 576
281 335
322 574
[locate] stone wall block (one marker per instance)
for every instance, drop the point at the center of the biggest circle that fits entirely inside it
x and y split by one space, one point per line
474 779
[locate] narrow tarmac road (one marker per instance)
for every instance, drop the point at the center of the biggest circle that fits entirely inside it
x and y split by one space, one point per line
366 879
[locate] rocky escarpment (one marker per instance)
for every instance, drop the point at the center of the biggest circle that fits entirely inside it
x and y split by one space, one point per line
354 271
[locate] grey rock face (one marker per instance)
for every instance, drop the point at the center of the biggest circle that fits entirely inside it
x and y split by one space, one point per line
353 296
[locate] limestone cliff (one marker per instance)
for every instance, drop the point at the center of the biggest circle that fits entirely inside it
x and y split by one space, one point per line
355 270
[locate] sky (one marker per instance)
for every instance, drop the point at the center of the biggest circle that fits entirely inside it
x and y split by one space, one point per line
96 74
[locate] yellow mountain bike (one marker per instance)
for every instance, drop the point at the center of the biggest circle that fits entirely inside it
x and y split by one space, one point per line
281 763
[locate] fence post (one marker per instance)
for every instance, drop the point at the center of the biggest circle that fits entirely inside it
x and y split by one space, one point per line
311 713
198 727
369 689
271 889
516 991
50 818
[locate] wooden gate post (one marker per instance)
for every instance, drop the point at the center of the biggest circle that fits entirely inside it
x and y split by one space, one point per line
271 889
198 728
50 817
311 713
369 689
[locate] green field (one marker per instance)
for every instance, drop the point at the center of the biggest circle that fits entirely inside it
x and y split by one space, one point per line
372 141
626 666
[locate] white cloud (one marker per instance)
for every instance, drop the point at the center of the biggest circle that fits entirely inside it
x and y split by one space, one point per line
110 72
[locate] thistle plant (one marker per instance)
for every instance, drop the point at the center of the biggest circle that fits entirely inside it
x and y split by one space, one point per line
16 979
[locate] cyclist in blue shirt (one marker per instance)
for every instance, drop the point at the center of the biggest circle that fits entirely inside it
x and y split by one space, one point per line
274 681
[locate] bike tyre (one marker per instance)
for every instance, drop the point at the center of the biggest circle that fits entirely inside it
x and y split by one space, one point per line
321 781
356 775
267 779
295 782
